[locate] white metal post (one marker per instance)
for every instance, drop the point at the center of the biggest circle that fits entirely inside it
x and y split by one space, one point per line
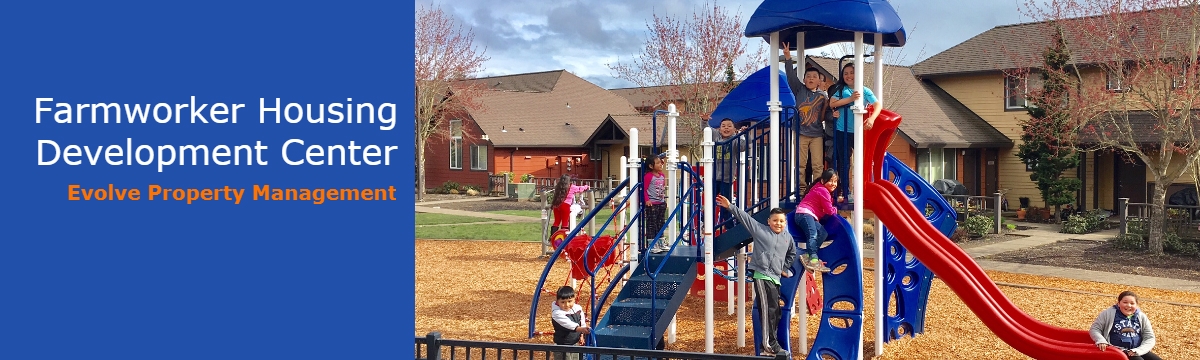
632 166
858 156
741 256
879 268
708 241
672 177
773 105
672 190
621 212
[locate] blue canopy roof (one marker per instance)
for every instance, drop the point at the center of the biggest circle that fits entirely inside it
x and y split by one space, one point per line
826 22
748 101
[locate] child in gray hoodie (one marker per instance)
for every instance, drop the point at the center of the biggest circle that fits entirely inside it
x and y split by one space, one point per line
774 253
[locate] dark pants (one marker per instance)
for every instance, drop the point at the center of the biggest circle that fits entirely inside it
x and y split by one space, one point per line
843 147
723 189
813 233
655 219
1147 356
766 293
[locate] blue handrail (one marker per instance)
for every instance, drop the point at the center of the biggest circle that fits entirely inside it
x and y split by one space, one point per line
558 251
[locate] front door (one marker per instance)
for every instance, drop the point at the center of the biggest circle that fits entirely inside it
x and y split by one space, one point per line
1130 177
992 168
971 171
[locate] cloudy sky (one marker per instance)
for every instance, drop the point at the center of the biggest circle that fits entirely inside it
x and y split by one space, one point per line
583 36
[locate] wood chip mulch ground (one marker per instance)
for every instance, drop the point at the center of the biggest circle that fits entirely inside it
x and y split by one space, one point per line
476 290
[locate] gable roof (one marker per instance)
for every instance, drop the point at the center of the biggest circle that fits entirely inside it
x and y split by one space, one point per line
544 109
1007 46
932 118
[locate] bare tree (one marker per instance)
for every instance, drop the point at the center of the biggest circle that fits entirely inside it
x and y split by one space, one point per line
445 56
691 62
1131 83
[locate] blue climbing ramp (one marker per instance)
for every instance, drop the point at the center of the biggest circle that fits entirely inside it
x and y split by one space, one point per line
906 281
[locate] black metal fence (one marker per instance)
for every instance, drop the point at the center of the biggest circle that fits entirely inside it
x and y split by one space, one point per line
434 347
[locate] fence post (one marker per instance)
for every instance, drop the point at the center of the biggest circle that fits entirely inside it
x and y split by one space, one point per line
999 219
1123 214
432 349
507 180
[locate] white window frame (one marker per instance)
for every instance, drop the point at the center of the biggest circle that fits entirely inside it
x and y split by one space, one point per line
456 144
479 158
1180 80
1008 93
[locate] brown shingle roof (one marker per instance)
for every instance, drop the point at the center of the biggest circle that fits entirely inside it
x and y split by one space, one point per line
545 109
932 118
1143 127
1021 45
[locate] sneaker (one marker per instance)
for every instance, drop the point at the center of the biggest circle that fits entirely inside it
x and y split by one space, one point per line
659 249
818 267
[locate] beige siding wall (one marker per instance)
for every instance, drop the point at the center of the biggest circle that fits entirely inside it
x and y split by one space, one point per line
1104 165
1177 161
984 95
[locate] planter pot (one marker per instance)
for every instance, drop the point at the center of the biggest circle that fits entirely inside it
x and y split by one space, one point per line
1046 215
521 191
1021 214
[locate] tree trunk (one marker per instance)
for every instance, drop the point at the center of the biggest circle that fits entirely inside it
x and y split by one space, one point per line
1158 215
420 168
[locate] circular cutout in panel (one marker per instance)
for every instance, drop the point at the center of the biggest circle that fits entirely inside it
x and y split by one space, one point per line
910 190
911 279
909 258
906 280
826 243
905 329
890 274
841 322
892 310
828 356
892 249
843 305
839 269
929 209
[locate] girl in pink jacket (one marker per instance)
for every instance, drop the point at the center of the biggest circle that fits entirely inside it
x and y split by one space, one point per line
817 204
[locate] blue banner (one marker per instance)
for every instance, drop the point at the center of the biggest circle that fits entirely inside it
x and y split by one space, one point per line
206 180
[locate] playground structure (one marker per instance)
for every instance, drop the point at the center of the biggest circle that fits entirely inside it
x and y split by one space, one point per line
650 287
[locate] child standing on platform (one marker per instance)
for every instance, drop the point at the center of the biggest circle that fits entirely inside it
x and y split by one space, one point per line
654 184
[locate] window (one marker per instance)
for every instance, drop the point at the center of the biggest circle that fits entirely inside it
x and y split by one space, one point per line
935 164
479 160
1113 82
1180 79
456 143
1015 90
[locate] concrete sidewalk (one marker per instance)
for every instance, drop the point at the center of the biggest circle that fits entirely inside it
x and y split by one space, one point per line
1044 234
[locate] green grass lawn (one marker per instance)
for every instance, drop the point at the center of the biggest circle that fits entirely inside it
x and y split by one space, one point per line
531 231
436 219
602 216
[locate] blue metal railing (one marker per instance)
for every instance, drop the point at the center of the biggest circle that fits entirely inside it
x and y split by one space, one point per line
559 249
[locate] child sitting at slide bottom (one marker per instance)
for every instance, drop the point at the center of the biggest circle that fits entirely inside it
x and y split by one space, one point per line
816 205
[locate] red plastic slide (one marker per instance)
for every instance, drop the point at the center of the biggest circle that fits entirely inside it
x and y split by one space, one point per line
960 272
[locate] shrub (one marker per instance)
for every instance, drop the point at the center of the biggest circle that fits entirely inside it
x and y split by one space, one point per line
449 185
1173 243
527 178
978 225
1077 224
959 235
1129 241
